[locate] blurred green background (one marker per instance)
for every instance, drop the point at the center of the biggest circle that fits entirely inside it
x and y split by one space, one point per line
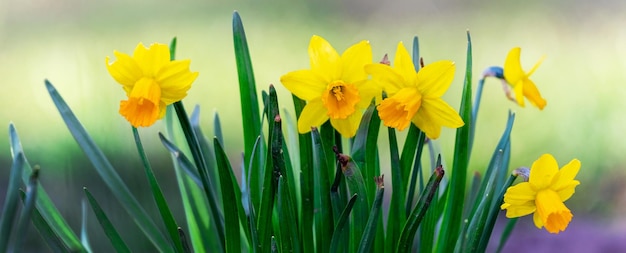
583 79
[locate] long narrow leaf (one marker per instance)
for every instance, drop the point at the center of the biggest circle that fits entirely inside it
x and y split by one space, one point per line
341 226
44 204
194 201
397 214
231 212
27 211
247 87
9 210
52 239
365 146
310 176
107 172
324 215
410 228
196 152
453 215
157 194
367 241
356 185
105 223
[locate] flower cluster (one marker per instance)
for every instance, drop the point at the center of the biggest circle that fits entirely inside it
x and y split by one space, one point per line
338 88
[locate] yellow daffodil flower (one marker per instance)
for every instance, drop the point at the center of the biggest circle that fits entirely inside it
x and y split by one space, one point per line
151 82
519 80
336 87
544 193
415 96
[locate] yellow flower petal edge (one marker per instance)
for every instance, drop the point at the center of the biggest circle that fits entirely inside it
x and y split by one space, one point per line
415 96
336 87
151 81
544 193
520 80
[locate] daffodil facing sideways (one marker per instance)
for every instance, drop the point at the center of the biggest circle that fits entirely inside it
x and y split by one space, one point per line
544 193
151 81
336 87
415 96
520 80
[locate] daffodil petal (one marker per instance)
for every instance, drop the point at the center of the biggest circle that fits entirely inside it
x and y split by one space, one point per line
152 59
537 220
536 66
435 113
367 91
124 70
347 127
554 215
513 71
388 79
324 59
519 211
532 94
354 59
520 194
403 64
175 79
518 89
305 84
435 78
563 182
313 115
542 172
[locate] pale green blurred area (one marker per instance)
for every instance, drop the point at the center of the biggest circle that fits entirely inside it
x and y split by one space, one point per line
583 77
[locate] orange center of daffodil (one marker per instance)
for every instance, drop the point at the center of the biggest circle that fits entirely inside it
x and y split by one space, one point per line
398 110
142 106
554 214
340 99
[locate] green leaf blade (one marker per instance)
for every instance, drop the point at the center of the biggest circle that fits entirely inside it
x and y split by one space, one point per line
109 230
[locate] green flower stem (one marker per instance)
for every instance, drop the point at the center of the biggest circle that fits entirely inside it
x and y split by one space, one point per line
164 210
108 174
478 96
194 147
506 233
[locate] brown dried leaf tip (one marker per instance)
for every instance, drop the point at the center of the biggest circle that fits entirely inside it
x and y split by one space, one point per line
380 181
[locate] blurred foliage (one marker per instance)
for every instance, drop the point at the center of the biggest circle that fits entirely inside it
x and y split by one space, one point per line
66 41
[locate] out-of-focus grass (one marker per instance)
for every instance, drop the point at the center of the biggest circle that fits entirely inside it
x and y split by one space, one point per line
66 41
